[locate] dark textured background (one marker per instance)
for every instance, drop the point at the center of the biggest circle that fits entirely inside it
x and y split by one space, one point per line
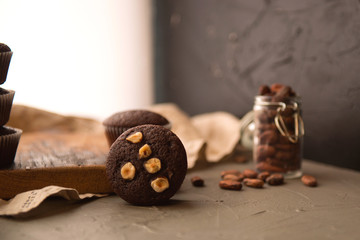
213 55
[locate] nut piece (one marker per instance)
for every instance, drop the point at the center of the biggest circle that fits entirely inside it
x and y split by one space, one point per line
249 173
144 151
230 185
152 165
309 180
128 171
275 179
160 184
135 138
253 182
197 181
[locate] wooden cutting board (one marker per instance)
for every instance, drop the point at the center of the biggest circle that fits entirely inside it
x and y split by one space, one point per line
75 160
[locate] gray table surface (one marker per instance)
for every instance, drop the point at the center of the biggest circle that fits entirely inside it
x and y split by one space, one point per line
290 211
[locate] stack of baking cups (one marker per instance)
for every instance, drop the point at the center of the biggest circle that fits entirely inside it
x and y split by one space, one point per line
9 137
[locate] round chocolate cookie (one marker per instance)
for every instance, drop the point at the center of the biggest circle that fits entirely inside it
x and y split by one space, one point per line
146 165
119 122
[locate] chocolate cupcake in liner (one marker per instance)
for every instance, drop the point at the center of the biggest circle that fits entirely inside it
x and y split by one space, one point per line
6 100
119 122
5 57
9 141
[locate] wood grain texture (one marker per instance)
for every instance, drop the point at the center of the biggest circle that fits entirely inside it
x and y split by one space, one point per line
48 149
75 160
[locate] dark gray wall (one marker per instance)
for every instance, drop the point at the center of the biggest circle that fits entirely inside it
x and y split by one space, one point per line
215 54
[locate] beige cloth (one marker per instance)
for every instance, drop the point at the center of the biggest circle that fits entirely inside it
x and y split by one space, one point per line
181 125
26 201
221 132
216 133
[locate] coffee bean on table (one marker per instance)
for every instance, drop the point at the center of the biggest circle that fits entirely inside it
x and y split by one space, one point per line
232 171
230 185
238 177
309 180
275 179
249 173
263 175
197 181
253 182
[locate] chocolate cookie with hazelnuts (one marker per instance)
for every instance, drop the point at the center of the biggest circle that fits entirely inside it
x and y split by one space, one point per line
146 165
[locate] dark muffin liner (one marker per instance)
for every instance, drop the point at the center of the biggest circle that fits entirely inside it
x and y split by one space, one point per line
6 100
112 133
9 141
5 58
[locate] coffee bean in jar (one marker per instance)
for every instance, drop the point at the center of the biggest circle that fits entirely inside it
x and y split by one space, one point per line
279 131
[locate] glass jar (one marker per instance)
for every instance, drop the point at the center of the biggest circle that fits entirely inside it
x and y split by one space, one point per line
278 135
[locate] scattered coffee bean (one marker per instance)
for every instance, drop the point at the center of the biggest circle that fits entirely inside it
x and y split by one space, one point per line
309 180
232 171
230 185
253 182
233 177
197 181
275 179
263 175
249 173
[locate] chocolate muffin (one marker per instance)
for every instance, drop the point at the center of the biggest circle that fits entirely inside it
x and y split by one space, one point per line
9 140
6 100
146 165
5 57
119 122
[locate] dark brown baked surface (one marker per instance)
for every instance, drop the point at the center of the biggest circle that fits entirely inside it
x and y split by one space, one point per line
134 118
165 146
4 48
3 91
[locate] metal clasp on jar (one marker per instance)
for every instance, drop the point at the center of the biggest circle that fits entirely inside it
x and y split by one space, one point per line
298 122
